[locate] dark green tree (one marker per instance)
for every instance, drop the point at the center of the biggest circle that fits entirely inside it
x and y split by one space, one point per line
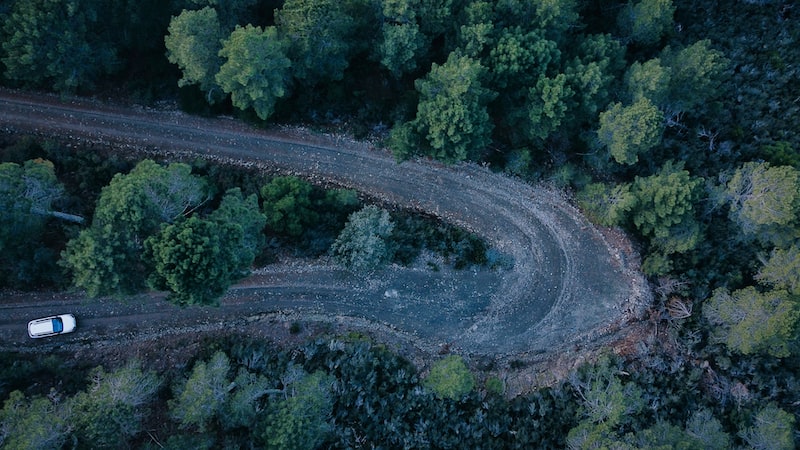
194 261
193 43
319 35
288 205
256 72
235 209
664 208
452 117
696 75
107 257
57 44
650 80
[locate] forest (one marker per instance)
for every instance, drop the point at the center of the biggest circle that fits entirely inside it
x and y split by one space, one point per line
673 120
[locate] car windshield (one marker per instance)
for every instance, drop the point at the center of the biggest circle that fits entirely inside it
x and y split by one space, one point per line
58 326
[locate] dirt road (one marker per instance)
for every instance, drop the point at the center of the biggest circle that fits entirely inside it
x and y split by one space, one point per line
567 284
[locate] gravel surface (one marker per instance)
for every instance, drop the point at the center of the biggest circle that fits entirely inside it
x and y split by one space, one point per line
569 286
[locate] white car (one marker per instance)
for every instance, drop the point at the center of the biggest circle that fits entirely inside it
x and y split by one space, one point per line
51 326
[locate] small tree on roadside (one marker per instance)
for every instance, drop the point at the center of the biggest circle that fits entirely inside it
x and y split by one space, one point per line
363 244
450 378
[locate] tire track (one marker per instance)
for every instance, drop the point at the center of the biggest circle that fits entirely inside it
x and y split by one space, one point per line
567 284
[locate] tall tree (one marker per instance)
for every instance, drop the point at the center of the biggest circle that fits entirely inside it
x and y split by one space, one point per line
30 424
318 32
193 43
782 270
300 420
107 257
288 205
628 131
749 321
646 21
696 75
194 261
199 399
256 71
452 117
244 212
764 200
664 208
110 411
58 44
772 429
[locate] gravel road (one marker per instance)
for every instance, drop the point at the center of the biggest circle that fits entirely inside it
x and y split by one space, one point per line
568 284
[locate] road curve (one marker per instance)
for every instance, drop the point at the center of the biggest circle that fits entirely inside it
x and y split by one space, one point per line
567 284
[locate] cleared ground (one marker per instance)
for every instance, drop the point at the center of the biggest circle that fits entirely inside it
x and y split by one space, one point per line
567 286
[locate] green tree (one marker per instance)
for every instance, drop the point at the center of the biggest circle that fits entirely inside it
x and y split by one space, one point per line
300 420
194 261
242 407
110 411
650 80
598 62
256 72
319 35
782 270
646 21
288 205
696 75
363 244
749 321
664 208
193 43
27 194
199 399
521 58
244 212
451 116
708 431
607 205
763 199
107 257
606 404
450 378
629 131
547 105
477 30
401 43
59 44
33 424
772 429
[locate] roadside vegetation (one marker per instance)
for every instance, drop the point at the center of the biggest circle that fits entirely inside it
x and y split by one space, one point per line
674 120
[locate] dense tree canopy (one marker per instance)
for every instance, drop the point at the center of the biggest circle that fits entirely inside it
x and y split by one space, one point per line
193 44
56 44
256 70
